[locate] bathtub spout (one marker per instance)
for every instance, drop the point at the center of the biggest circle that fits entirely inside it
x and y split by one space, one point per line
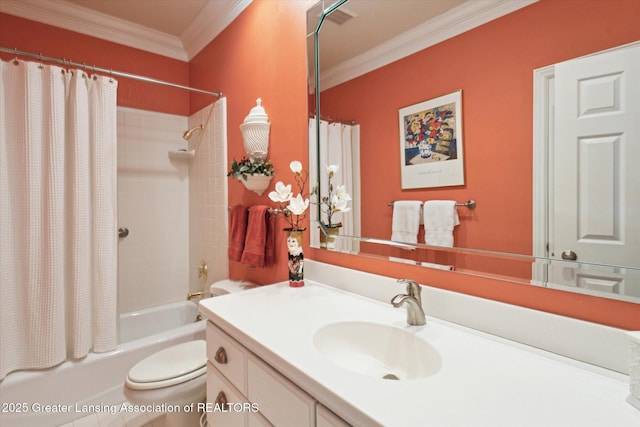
199 294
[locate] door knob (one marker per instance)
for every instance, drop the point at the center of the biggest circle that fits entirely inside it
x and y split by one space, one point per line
569 255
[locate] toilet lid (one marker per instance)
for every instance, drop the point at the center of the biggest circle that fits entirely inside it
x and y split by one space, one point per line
170 366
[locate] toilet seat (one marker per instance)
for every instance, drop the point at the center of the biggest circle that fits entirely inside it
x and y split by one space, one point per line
171 366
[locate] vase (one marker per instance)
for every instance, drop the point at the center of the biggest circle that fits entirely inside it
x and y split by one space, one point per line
328 239
296 257
256 183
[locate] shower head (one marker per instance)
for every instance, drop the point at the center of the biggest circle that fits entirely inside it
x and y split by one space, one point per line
188 133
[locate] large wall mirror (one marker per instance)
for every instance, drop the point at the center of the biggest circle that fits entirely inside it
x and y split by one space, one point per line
527 76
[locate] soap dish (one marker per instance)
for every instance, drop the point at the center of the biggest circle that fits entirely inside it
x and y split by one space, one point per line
182 154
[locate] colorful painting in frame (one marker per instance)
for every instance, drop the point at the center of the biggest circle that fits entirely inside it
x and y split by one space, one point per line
431 143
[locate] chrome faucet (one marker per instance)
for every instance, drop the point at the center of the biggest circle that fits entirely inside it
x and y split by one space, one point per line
413 299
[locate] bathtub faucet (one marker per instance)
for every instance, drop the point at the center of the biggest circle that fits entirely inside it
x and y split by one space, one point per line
413 299
192 295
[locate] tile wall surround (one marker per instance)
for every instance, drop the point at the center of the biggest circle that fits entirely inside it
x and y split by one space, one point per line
153 203
175 210
208 190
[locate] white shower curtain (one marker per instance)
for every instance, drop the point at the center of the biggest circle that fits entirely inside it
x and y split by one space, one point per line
58 218
340 144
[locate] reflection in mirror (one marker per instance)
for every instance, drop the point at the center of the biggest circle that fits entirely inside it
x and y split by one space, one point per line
489 52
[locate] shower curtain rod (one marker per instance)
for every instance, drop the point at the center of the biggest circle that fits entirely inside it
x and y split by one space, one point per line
106 71
334 119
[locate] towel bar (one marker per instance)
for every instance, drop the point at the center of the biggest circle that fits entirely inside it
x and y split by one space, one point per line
270 210
471 204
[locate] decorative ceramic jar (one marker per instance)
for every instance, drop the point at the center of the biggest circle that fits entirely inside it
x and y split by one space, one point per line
634 369
255 132
296 257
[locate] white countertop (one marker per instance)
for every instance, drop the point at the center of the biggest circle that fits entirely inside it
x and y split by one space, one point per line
483 381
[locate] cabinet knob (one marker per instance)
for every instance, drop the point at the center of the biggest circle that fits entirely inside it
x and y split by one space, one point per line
569 255
221 399
221 356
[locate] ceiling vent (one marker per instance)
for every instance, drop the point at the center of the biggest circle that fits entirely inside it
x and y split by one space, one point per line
340 16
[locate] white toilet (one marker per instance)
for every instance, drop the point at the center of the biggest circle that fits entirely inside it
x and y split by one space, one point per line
175 376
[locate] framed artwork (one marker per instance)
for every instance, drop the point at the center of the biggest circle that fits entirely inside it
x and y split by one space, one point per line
431 143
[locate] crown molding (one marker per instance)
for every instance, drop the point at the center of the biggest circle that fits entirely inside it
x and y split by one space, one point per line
216 16
450 24
59 13
213 19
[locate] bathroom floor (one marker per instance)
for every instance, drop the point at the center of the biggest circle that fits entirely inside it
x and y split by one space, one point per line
119 420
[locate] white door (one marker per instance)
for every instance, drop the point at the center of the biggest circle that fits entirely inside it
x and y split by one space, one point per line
595 187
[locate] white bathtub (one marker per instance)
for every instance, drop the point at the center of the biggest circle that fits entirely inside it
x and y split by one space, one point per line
96 380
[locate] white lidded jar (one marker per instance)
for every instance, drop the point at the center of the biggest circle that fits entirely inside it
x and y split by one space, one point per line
634 369
255 133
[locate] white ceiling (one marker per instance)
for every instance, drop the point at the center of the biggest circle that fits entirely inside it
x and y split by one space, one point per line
178 29
168 16
375 22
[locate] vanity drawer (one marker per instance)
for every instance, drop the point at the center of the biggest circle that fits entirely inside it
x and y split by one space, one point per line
280 401
219 390
256 419
229 357
326 418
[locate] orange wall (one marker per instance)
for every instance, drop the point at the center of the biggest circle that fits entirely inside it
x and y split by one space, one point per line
493 66
261 55
55 42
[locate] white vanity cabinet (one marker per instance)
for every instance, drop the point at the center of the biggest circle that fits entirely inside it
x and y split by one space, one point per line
242 390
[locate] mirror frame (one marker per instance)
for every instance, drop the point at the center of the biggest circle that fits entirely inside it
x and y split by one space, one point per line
332 5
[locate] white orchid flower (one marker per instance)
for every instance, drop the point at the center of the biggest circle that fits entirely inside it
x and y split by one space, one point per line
297 205
332 170
281 194
341 193
296 167
339 205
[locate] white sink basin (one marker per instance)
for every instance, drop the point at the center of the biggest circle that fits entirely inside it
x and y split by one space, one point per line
377 350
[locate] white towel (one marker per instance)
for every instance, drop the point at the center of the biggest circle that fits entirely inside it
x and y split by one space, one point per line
402 260
438 266
440 216
405 221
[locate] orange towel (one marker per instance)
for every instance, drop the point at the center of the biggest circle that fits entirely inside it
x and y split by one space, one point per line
237 232
270 249
256 237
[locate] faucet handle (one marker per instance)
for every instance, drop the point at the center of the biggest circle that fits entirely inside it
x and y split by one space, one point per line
413 289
